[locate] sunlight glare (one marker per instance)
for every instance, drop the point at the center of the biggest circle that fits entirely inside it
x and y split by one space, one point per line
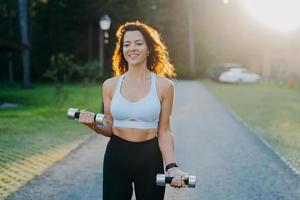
226 1
282 15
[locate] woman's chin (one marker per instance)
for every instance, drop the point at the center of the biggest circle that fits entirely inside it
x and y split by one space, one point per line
135 63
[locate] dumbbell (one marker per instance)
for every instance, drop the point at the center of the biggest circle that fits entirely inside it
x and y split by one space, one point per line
163 179
73 113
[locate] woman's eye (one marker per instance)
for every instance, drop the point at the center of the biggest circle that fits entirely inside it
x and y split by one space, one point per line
139 44
126 45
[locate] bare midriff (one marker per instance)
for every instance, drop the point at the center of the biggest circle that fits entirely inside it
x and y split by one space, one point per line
135 135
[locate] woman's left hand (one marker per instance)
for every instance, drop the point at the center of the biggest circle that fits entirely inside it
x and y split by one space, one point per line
179 177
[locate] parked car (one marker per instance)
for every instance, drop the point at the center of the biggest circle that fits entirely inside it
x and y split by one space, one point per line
238 75
214 71
232 65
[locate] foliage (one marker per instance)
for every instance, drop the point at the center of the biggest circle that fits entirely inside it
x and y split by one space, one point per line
89 73
61 71
62 68
72 27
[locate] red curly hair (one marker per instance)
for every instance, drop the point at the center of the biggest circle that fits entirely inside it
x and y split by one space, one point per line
158 59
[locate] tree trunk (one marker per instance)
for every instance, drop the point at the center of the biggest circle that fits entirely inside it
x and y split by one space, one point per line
191 39
10 69
90 41
23 19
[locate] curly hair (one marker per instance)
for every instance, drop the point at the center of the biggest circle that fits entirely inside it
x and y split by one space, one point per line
158 59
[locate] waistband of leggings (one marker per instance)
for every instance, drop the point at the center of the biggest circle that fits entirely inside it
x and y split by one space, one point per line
117 138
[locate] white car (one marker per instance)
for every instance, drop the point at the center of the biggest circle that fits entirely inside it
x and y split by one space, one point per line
238 75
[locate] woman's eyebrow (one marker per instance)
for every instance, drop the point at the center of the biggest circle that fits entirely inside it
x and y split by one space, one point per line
139 40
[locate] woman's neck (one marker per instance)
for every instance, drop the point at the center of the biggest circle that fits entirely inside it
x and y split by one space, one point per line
138 73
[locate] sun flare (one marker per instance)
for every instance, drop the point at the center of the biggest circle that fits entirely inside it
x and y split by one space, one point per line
282 15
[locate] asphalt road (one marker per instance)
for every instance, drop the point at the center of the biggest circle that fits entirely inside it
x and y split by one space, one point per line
230 162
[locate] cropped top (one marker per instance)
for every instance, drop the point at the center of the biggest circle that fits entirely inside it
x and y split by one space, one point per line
141 114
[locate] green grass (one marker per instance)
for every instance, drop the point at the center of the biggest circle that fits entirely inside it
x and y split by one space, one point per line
272 109
39 133
40 116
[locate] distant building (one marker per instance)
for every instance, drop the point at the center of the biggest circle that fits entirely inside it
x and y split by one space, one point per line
7 46
9 52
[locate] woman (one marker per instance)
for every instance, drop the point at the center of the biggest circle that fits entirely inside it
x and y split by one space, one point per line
138 104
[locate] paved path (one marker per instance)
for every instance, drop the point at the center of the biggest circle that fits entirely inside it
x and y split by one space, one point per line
229 161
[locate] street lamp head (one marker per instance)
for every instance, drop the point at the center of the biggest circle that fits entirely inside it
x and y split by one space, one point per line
104 22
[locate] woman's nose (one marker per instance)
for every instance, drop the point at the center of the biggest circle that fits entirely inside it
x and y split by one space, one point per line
132 47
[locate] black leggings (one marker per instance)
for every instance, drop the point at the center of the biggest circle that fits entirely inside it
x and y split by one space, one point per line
128 162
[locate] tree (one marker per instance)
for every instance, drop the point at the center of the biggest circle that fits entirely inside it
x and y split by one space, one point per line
23 19
71 27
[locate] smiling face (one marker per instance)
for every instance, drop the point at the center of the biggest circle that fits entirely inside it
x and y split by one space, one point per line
135 48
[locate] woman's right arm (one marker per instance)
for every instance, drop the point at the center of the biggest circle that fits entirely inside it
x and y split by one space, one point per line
87 118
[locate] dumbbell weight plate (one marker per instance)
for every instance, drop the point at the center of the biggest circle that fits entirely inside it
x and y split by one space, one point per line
73 113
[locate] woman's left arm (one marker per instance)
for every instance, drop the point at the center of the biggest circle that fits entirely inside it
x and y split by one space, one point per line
165 134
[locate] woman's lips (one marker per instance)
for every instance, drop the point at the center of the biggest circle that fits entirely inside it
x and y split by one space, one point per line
133 55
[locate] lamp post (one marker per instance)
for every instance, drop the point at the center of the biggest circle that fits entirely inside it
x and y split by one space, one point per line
104 23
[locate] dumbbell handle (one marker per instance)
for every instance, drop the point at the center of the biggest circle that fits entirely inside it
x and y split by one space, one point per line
162 179
76 115
168 179
73 113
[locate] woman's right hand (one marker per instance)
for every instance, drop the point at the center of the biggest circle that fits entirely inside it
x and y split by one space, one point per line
87 118
179 177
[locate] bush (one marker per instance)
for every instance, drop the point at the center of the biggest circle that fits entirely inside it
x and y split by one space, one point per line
89 73
62 67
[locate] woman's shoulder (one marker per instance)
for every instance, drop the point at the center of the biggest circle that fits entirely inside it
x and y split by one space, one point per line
164 83
110 84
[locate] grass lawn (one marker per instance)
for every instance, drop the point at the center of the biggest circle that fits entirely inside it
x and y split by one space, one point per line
36 135
271 109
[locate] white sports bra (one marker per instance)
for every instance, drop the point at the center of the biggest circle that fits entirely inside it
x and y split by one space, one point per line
141 114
